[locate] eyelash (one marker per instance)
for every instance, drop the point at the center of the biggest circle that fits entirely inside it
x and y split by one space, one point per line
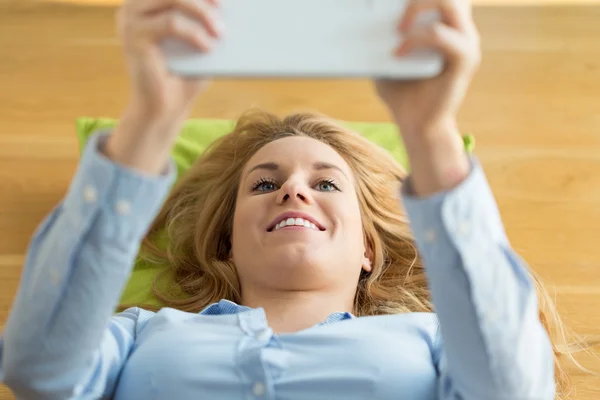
261 181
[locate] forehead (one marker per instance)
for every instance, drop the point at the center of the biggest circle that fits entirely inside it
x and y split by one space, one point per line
297 151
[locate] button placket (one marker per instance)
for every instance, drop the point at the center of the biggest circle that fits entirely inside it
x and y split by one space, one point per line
264 335
251 365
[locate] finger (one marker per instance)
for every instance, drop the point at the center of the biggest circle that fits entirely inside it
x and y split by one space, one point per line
201 10
176 25
455 13
457 47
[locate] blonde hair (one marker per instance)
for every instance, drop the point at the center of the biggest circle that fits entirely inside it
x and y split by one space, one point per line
198 217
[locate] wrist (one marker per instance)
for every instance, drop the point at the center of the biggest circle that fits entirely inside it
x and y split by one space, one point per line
152 124
142 142
429 130
438 159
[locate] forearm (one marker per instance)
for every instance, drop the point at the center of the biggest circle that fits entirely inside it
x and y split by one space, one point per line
437 157
142 141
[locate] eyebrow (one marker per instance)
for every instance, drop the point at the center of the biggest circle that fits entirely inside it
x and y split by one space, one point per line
318 166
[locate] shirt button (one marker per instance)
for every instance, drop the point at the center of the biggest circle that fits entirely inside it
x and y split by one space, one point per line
463 227
90 194
258 389
491 317
54 277
430 236
123 207
264 335
78 390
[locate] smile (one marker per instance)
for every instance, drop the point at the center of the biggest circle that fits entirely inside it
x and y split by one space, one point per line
296 223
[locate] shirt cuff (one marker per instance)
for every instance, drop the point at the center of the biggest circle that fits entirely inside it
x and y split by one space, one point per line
462 215
465 222
129 198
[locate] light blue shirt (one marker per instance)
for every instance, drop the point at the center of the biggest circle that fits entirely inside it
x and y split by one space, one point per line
63 341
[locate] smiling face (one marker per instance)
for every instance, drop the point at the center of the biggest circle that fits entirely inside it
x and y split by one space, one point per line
297 223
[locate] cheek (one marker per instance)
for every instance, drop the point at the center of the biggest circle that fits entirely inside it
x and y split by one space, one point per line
356 227
349 219
248 218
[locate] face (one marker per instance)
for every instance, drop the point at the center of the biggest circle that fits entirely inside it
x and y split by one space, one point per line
310 187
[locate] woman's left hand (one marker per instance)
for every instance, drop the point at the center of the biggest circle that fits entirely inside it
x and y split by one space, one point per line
418 106
426 110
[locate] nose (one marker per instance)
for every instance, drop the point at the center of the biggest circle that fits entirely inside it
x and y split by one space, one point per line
294 191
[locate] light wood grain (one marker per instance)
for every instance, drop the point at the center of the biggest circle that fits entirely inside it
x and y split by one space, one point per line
534 108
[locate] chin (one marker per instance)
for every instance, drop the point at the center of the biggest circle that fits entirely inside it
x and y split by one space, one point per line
296 259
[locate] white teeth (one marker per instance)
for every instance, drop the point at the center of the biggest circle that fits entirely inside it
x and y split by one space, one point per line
296 222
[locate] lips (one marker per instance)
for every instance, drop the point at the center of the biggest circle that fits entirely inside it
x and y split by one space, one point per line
294 214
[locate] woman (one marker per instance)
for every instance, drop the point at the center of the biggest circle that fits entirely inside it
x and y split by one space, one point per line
289 237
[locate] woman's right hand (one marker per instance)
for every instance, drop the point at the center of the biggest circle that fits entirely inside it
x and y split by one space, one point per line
160 101
142 25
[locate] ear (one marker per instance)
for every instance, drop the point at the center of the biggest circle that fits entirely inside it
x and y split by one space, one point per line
230 252
367 262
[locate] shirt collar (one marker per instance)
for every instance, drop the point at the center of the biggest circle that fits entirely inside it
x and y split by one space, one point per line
229 307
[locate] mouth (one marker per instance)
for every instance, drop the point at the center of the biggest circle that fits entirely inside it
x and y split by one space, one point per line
294 222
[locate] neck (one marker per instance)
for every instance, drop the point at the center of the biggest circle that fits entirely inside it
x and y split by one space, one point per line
292 311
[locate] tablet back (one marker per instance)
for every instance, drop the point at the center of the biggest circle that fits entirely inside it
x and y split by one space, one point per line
307 38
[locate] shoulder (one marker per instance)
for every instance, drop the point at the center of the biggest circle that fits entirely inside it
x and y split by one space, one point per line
424 319
134 317
426 325
167 316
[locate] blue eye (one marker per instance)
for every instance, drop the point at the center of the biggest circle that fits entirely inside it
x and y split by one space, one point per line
327 185
264 185
269 185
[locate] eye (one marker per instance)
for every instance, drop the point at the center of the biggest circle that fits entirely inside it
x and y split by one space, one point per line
327 185
264 185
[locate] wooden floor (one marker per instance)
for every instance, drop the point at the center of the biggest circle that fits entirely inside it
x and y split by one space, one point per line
534 108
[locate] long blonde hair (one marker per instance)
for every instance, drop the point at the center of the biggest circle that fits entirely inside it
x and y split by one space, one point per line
198 217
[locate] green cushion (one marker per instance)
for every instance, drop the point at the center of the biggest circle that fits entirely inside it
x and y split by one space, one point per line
195 136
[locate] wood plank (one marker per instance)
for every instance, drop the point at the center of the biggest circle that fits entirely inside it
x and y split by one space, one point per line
534 108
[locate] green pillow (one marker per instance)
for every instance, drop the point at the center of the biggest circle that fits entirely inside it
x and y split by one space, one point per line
196 134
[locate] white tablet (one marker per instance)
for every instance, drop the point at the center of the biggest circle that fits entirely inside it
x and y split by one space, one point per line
307 38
